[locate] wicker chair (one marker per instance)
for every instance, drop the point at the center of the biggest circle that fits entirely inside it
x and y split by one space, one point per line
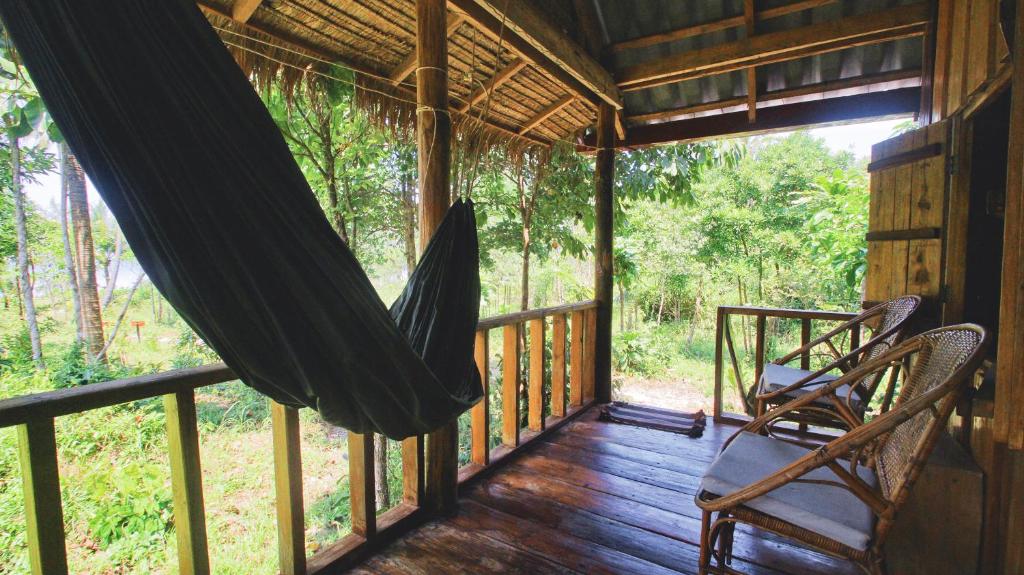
780 383
841 497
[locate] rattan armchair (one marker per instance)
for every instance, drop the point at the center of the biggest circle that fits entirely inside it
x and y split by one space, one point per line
780 382
841 497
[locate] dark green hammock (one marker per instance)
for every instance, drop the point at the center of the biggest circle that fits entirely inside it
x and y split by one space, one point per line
223 222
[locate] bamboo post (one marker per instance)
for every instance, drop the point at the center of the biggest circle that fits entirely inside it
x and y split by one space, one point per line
536 407
558 365
480 417
604 174
433 138
291 534
44 516
510 386
187 482
362 503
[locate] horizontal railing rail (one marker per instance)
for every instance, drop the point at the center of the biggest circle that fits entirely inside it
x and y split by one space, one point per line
34 415
724 343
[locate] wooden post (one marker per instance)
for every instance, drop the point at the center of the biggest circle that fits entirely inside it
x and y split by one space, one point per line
604 174
362 497
589 353
805 338
291 526
558 365
44 516
480 418
716 410
536 410
187 482
759 348
510 386
433 139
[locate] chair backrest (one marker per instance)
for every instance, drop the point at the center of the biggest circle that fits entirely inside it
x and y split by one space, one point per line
945 359
893 318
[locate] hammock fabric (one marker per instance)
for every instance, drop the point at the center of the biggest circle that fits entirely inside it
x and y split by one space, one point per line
222 220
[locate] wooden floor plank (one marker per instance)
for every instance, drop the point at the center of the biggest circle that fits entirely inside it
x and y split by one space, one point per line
592 497
567 550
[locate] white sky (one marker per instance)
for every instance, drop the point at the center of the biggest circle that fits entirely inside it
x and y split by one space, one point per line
857 138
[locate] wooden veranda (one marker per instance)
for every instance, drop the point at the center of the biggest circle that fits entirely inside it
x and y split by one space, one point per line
568 493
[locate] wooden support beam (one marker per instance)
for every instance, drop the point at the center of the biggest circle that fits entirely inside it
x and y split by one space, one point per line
510 386
717 25
40 483
875 105
809 89
870 28
362 494
546 113
433 138
187 482
531 34
601 334
488 87
242 10
748 20
291 526
480 421
536 406
402 71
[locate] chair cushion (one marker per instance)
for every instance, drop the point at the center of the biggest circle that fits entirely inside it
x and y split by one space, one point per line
828 510
776 377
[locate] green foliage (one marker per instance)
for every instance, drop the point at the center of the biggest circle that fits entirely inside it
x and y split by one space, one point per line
134 508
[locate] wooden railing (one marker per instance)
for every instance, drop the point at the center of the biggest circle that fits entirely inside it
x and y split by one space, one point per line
34 415
724 344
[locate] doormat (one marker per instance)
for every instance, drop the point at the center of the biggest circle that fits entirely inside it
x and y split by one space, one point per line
689 424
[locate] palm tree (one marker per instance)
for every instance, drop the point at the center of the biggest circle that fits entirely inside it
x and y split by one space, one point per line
85 255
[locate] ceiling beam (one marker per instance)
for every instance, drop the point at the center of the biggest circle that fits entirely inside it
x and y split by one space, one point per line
242 10
875 105
764 97
402 71
748 22
531 26
546 113
870 28
488 87
716 25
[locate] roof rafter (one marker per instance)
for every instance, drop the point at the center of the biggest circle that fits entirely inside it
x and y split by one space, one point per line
531 34
874 105
488 87
546 113
242 10
717 25
870 28
402 71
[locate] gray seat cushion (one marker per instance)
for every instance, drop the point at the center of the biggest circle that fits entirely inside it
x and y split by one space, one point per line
828 510
776 377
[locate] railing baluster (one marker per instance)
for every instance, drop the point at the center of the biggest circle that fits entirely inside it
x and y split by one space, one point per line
720 320
805 338
362 499
510 387
590 353
480 416
187 482
536 408
576 359
759 329
37 450
558 365
412 470
855 340
291 537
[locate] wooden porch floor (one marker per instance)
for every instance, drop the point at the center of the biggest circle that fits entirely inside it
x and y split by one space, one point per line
593 497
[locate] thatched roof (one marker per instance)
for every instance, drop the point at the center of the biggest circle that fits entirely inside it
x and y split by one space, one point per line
657 58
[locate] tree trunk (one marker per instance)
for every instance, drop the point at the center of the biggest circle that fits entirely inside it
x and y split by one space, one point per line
108 290
622 308
69 257
23 273
524 284
92 315
409 209
380 471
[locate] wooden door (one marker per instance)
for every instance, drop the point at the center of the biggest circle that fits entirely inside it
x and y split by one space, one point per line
911 237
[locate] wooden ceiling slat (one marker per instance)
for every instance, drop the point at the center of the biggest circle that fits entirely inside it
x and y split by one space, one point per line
717 25
870 28
493 83
242 10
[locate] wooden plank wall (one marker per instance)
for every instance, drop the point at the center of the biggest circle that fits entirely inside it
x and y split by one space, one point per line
969 49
